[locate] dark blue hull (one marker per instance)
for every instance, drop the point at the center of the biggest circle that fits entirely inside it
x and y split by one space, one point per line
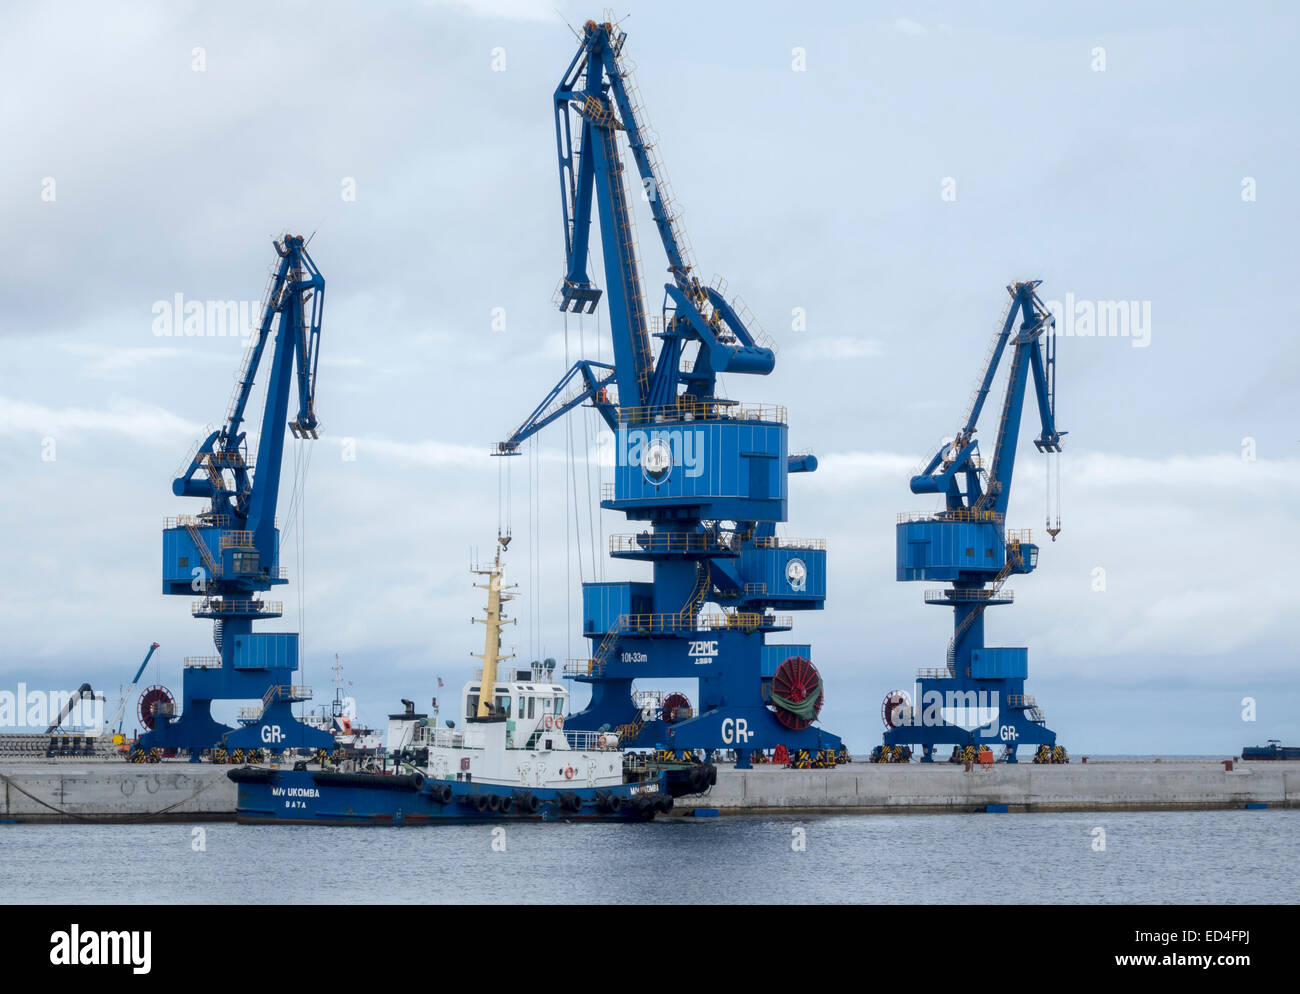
303 797
1271 751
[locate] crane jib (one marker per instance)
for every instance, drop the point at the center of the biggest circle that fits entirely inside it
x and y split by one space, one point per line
595 102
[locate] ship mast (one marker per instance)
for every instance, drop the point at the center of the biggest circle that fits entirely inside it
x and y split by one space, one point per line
492 622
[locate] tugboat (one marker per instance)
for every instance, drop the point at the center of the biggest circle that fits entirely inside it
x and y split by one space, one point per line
512 760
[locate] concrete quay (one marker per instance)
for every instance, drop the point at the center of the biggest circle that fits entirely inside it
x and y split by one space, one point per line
67 791
944 788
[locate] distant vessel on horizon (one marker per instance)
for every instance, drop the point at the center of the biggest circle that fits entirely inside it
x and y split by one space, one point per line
1274 750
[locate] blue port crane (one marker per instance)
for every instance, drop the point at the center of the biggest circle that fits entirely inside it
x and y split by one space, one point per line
705 476
228 554
119 715
977 698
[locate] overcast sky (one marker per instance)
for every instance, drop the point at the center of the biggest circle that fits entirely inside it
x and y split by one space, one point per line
887 169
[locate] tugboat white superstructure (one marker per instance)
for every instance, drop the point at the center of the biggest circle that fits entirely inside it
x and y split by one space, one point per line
512 758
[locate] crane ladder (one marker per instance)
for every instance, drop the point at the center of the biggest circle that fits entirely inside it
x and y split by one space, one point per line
627 240
1012 561
693 603
209 563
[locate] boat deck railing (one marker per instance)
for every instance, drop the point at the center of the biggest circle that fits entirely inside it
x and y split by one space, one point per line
591 741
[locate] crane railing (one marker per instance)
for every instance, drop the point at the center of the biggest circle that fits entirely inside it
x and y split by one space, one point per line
777 542
706 409
225 606
934 673
197 521
949 596
651 624
988 358
237 540
957 514
630 731
285 692
639 625
665 542
761 338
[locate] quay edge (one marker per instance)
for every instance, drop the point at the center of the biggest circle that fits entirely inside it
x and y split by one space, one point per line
69 793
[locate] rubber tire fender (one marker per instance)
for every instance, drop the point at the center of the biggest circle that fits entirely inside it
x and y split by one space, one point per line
530 803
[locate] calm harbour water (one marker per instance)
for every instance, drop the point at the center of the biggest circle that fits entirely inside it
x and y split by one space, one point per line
1157 857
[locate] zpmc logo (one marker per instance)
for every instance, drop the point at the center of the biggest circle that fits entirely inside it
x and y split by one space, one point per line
703 652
